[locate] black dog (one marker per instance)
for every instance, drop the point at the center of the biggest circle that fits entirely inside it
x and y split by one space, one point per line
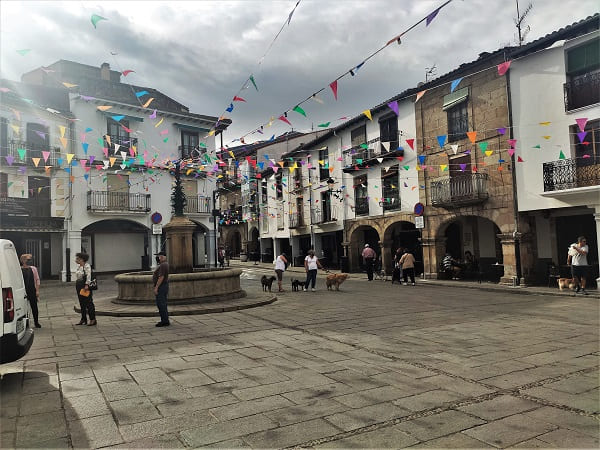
296 285
267 282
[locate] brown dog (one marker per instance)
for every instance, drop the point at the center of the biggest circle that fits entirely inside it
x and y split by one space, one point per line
566 283
335 279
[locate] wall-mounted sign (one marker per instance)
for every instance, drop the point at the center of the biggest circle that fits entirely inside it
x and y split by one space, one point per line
156 218
156 228
419 222
419 209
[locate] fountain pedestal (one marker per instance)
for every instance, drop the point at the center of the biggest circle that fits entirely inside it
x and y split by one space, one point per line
180 231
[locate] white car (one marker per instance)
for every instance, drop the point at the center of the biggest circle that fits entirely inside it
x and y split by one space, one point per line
17 335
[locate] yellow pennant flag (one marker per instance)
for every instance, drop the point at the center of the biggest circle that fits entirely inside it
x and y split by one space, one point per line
70 157
211 132
367 112
231 153
112 160
443 167
63 141
62 129
545 124
418 167
15 128
39 190
104 107
546 137
160 121
69 85
189 171
36 161
322 162
489 152
148 102
107 137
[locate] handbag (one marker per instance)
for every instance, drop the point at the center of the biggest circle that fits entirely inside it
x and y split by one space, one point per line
84 292
93 285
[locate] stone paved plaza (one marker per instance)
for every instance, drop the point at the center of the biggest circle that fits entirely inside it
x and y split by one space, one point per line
375 365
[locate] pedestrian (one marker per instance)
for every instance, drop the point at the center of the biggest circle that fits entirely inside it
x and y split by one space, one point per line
160 281
221 257
369 255
397 273
280 265
32 285
408 267
311 264
578 260
451 266
83 277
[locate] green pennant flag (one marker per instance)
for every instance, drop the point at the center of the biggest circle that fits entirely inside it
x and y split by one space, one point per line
165 139
359 160
536 146
299 110
324 125
202 144
483 146
562 155
10 183
365 146
100 142
406 167
253 82
21 153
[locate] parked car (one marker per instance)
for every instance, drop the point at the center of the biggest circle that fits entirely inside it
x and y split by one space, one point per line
17 335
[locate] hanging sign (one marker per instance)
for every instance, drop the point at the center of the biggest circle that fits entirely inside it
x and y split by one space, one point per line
419 222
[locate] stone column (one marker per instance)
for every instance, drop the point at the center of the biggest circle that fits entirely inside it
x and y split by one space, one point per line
386 256
72 241
210 247
509 257
597 217
179 244
528 258
433 253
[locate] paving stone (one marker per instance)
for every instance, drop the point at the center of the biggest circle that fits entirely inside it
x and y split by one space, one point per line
221 388
191 378
565 419
455 384
94 432
360 417
7 440
40 384
222 373
574 385
355 379
85 406
150 376
229 443
496 408
40 428
303 396
510 430
455 440
254 352
310 410
165 392
565 438
72 372
241 362
111 373
40 403
79 386
292 434
371 396
387 437
171 424
61 442
195 404
587 401
251 407
133 410
437 425
208 434
264 375
428 400
161 441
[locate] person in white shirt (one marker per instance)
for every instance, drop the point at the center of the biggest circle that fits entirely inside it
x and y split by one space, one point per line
578 259
311 265
280 265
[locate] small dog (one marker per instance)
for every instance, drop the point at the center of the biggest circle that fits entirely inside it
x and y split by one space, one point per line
296 285
267 282
335 279
566 283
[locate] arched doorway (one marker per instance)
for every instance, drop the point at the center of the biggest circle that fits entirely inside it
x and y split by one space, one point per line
116 245
254 245
404 234
234 244
362 235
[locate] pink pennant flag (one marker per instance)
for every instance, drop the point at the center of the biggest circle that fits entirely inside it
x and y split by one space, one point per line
511 151
83 162
503 67
127 72
333 86
581 123
512 142
105 151
163 132
45 155
99 166
284 119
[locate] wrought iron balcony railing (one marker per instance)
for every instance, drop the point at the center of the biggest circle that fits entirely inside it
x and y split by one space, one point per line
118 202
31 151
582 91
198 205
280 223
326 215
460 190
361 206
296 220
566 174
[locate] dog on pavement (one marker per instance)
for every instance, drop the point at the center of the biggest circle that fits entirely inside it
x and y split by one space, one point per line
566 283
267 282
296 284
335 279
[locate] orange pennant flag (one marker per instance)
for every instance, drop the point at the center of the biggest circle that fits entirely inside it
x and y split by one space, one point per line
62 129
148 102
419 95
63 141
472 136
104 107
47 169
112 160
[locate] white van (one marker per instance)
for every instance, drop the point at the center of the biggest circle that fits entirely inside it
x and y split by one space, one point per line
17 335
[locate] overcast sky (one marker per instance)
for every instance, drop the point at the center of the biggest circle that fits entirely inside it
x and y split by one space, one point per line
200 52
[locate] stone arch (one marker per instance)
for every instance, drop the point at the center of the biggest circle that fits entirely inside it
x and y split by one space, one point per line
402 234
253 241
359 236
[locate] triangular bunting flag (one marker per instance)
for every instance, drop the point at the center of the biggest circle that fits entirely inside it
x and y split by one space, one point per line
419 95
367 112
454 148
299 110
519 159
334 85
45 155
511 151
284 119
581 123
69 157
410 143
472 135
441 140
503 67
561 155
454 84
394 106
63 141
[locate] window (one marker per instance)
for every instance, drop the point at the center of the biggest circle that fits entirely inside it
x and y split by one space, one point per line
279 185
324 169
388 132
584 58
358 136
118 134
298 178
326 206
587 154
189 143
37 136
390 188
264 193
361 201
583 76
458 122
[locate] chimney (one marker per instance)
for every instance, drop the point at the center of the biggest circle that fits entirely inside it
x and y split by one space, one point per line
105 71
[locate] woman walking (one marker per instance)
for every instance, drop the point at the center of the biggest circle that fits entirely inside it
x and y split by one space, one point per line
311 264
84 293
32 286
408 267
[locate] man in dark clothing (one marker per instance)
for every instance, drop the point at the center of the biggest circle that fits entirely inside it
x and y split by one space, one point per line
369 255
160 280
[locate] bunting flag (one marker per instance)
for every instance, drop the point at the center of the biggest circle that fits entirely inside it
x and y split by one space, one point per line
462 167
62 130
519 159
299 110
545 124
253 82
69 85
15 128
489 152
431 16
367 112
561 155
581 135
512 142
386 147
63 141
501 131
96 18
317 99
69 157
85 146
9 160
23 51
355 69
419 95
284 119
229 108
472 135
441 140
159 122
410 143
503 67
112 160
581 123
483 146
21 152
511 152
127 72
444 167
238 99
454 148
45 155
334 85
104 107
117 118
324 125
393 106
145 105
546 137
455 83
421 159
153 115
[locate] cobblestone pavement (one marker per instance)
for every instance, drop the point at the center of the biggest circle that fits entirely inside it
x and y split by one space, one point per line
375 365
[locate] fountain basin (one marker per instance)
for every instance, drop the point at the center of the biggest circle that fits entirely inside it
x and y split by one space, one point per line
200 286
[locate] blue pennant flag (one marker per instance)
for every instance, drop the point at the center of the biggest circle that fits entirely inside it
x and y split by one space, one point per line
141 94
455 83
421 159
441 140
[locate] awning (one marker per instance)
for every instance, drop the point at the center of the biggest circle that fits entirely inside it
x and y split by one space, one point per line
127 117
455 98
183 126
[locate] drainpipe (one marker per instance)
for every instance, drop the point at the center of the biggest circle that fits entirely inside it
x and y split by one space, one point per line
516 233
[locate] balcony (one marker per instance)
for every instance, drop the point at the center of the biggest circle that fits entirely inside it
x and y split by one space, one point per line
582 91
361 206
460 190
566 174
326 215
280 223
31 151
296 220
198 205
106 201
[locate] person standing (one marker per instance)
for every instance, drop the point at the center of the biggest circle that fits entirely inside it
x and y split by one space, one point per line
311 264
83 277
397 273
280 266
408 267
160 280
369 255
578 257
31 286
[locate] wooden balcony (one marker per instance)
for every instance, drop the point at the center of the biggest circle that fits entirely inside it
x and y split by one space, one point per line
460 190
118 202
